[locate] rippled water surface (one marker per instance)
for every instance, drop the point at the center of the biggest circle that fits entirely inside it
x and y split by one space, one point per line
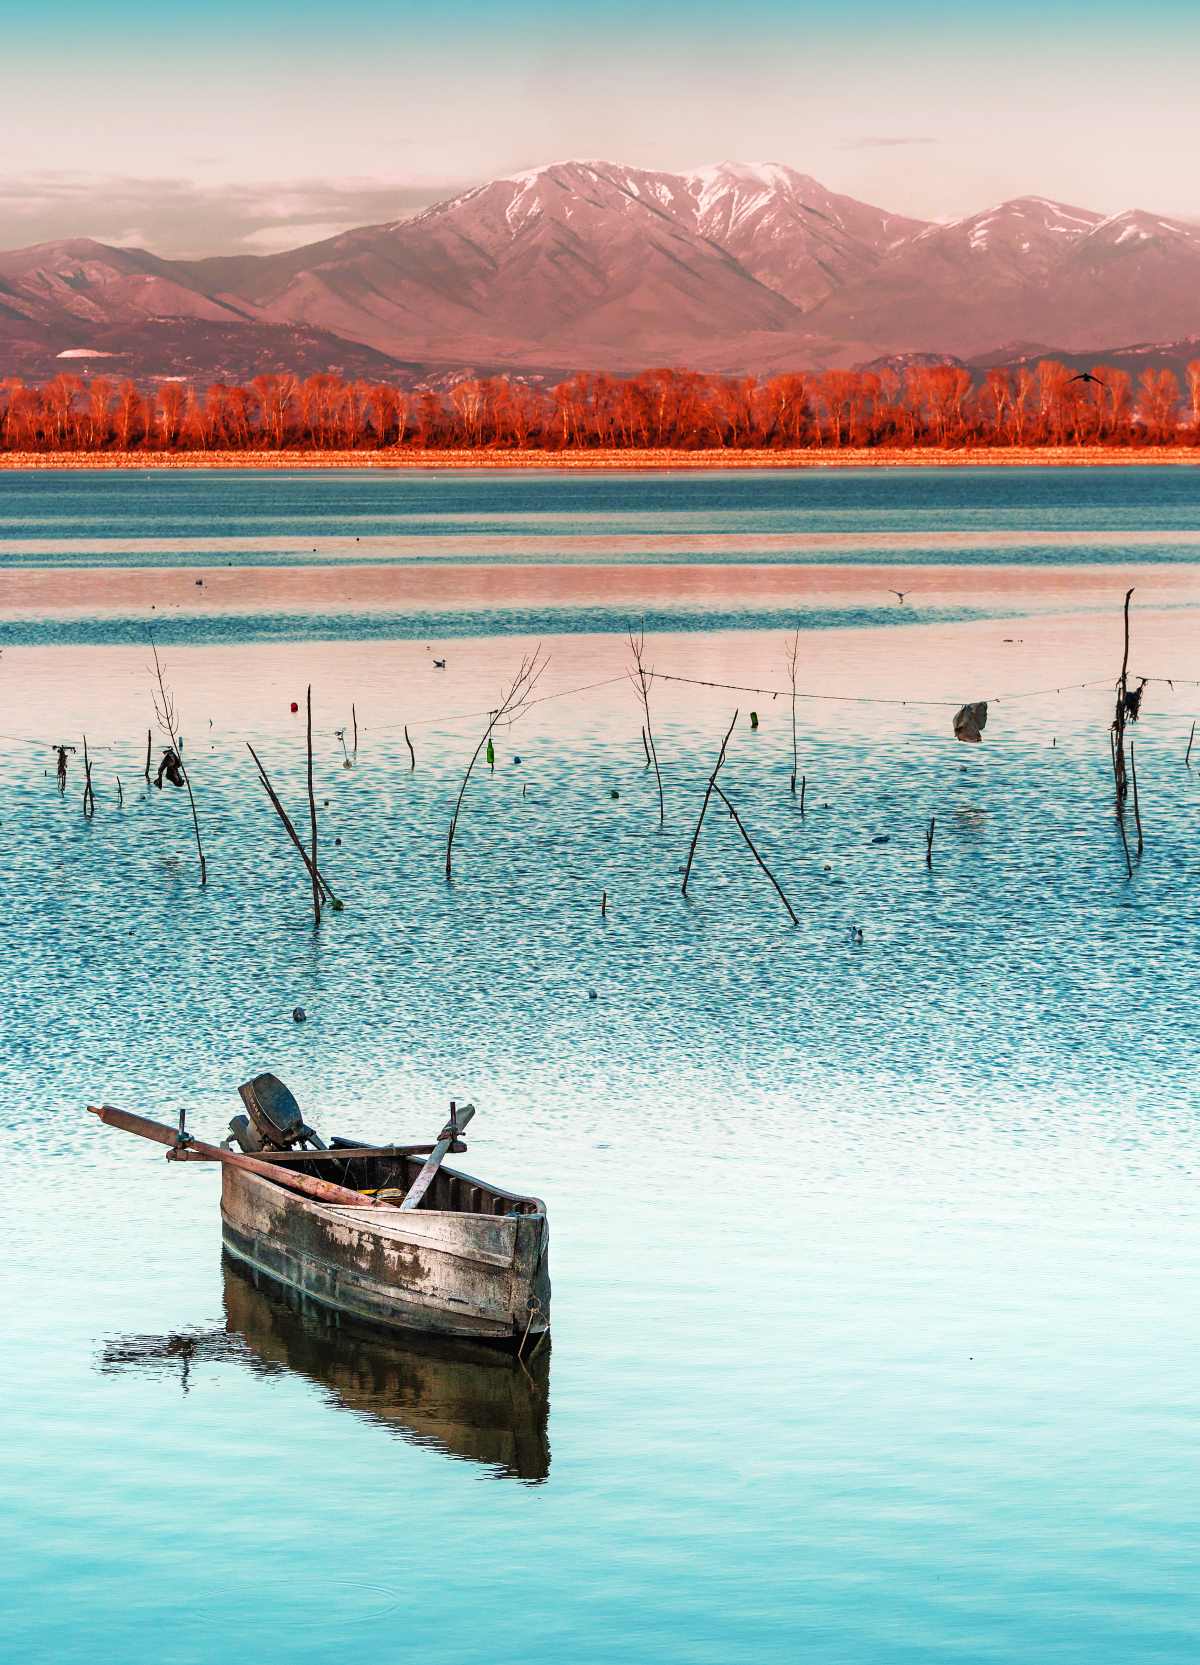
875 1262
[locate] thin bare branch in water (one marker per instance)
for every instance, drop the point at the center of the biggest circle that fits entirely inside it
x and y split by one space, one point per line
285 818
793 654
514 702
1118 728
312 812
754 852
89 797
1137 808
712 781
168 721
641 677
412 756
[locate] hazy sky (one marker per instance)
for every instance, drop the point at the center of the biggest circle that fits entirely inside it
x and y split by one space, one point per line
223 125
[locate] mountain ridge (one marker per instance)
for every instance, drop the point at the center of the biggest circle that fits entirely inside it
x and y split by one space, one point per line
733 267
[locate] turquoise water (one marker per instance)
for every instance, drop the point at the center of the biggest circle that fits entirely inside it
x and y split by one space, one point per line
875 1263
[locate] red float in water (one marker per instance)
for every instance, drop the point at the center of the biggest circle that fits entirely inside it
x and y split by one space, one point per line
295 707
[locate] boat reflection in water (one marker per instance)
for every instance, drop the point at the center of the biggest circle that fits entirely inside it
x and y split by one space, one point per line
473 1402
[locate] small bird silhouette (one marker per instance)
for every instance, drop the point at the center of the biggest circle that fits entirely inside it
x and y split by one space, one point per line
439 664
900 593
1086 376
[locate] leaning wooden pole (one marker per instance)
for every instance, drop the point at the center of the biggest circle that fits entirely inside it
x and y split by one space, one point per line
712 781
754 852
289 828
312 814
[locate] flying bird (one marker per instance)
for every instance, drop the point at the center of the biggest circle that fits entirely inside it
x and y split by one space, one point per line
1086 376
900 593
439 664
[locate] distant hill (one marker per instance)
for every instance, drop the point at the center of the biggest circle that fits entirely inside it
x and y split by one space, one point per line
594 265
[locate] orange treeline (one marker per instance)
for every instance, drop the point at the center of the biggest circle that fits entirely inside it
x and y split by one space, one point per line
937 406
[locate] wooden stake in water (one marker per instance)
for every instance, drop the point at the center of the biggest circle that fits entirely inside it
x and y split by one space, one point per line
1188 758
929 841
149 745
412 756
89 797
354 720
312 813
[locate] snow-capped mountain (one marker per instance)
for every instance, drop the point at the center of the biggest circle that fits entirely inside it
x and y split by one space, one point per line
596 265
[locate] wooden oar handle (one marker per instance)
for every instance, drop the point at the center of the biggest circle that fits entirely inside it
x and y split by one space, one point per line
323 1190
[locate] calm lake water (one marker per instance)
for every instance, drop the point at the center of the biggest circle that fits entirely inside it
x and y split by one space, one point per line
875 1263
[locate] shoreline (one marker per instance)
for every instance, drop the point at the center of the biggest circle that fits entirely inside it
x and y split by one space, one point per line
601 461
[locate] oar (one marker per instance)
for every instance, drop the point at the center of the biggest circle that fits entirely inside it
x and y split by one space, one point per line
458 1120
323 1190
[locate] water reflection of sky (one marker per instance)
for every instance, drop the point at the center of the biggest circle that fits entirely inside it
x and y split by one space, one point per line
874 1263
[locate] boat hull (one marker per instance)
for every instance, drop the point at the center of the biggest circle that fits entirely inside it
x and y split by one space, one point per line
483 1277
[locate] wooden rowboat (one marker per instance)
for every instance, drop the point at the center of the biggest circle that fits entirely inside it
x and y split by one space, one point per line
384 1234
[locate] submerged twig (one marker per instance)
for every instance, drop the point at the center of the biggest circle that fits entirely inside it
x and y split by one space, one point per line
411 754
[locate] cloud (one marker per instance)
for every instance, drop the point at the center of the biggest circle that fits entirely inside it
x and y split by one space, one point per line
883 142
183 219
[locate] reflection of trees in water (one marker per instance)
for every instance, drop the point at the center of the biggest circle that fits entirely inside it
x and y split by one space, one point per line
472 1402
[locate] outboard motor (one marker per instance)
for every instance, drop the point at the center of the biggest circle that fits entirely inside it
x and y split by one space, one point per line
274 1121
